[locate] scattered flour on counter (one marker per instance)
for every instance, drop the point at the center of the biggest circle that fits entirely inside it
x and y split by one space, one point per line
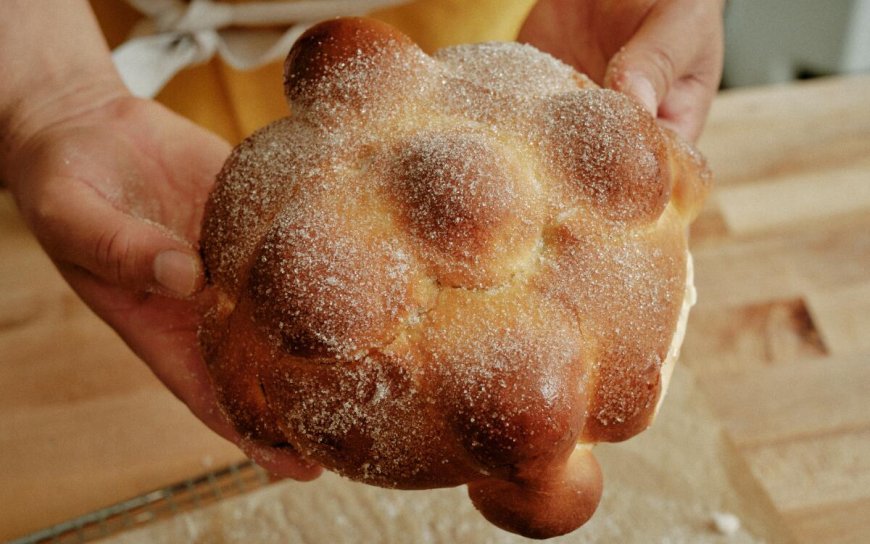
725 523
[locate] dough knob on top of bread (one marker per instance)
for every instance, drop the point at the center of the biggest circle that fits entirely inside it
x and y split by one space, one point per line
464 268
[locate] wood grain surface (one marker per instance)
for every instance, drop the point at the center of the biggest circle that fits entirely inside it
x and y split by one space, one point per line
779 342
780 338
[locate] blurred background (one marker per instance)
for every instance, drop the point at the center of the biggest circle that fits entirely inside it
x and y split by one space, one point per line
773 41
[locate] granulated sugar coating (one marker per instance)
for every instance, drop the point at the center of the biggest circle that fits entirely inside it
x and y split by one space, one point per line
450 269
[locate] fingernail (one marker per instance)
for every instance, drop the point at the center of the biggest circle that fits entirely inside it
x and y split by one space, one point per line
642 90
176 271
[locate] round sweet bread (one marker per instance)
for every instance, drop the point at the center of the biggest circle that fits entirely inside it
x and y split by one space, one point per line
458 269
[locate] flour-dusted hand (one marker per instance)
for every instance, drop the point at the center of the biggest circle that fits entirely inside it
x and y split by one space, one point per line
667 54
113 187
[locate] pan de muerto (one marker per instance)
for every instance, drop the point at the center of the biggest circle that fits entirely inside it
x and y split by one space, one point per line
459 269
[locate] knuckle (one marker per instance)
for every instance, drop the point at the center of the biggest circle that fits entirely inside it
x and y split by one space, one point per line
112 255
661 59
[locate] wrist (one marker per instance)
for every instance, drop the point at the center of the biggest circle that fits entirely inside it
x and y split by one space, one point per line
56 66
49 105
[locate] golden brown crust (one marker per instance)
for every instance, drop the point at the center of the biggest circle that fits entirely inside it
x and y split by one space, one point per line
615 163
450 269
465 204
546 504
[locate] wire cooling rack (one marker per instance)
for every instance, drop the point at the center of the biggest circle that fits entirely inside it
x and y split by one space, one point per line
162 503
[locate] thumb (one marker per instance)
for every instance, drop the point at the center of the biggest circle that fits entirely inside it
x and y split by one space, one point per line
85 230
645 88
643 70
673 63
660 52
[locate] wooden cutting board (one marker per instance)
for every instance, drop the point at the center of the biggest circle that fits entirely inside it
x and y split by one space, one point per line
780 338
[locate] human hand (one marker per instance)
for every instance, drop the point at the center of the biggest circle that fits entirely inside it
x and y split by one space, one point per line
115 194
667 54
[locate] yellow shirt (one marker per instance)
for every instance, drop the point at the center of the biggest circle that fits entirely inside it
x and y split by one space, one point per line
234 104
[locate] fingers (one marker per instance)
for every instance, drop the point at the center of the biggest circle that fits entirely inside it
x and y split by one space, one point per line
163 333
282 462
199 395
673 62
82 228
279 461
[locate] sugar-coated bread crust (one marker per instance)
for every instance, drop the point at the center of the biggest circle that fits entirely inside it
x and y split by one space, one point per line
450 269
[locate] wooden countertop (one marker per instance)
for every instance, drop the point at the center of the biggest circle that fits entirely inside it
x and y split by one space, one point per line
779 341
